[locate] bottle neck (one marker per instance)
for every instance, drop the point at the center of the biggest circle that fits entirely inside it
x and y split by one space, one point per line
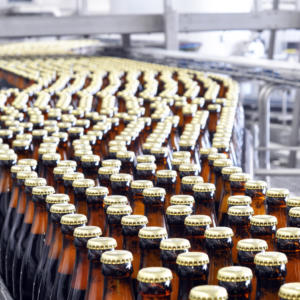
155 215
67 258
95 214
40 218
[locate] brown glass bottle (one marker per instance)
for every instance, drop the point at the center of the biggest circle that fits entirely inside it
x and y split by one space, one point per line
104 174
205 169
96 247
62 143
211 158
51 148
68 179
292 202
146 171
58 173
237 183
150 239
270 270
289 291
208 292
90 165
155 283
117 270
218 242
264 227
120 183
22 148
214 114
256 189
66 261
37 138
294 217
162 159
170 249
49 163
127 159
276 201
137 187
187 183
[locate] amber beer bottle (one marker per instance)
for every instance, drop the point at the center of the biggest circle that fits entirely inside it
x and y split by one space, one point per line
137 188
68 179
264 227
218 245
79 279
44 279
58 173
154 283
237 183
289 291
146 171
162 159
150 239
187 183
37 138
50 161
96 247
67 257
195 226
104 174
170 249
120 183
288 242
117 270
211 158
208 292
276 200
256 189
237 281
90 165
127 159
294 217
270 270
205 169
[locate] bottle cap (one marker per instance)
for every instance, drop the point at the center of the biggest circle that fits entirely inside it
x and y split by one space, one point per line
277 193
145 158
175 244
153 232
197 220
241 177
234 274
294 212
87 231
125 154
154 192
231 170
263 220
214 156
43 190
67 163
255 185
108 170
240 211
73 219
35 181
101 243
27 162
252 245
134 220
154 275
97 191
166 173
73 176
90 158
62 208
51 157
290 291
204 187
20 143
8 156
141 184
293 201
188 167
208 292
121 177
239 200
116 257
111 163
192 259
119 209
178 210
57 198
218 233
19 168
288 233
223 162
270 258
182 200
26 175
181 154
146 166
62 170
115 199
191 180
39 132
83 183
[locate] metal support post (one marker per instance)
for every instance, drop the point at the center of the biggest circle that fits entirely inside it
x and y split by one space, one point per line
273 34
171 26
126 43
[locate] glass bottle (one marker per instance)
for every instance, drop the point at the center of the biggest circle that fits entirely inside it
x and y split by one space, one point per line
209 292
150 239
104 174
237 281
170 249
237 183
205 169
292 202
154 283
117 270
214 115
175 216
162 159
256 189
195 226
90 165
22 148
79 279
146 171
154 199
49 163
127 159
62 143
137 187
294 217
270 270
96 247
211 158
51 148
58 174
264 227
120 183
62 281
131 226
114 215
289 291
37 138
276 201
68 179
187 183
218 242
288 242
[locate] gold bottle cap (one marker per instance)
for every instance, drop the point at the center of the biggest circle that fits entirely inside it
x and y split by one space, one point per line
73 219
263 220
20 143
75 130
239 200
179 161
4 146
242 177
240 211
119 209
270 258
101 243
234 274
223 162
116 257
146 166
90 158
79 153
252 245
293 201
62 208
8 156
51 156
215 156
39 132
294 212
51 139
191 180
218 233
231 170
35 181
26 175
73 176
220 144
134 220
154 275
208 292
145 158
277 193
61 135
204 187
27 162
43 190
79 142
181 155
115 199
175 244
178 210
192 259
87 231
121 177
197 220
182 200
288 233
67 163
108 170
214 107
141 184
159 150
111 163
166 173
45 150
62 170
153 232
154 192
186 167
19 168
207 151
57 198
97 191
83 183
290 291
125 154
255 185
